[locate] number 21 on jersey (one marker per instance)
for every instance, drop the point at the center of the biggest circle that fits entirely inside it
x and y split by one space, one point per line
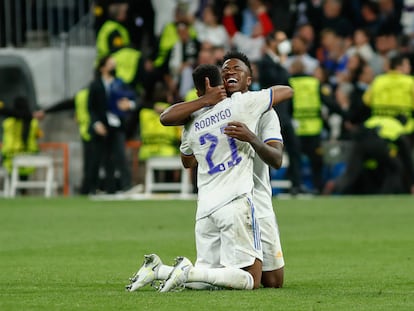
213 141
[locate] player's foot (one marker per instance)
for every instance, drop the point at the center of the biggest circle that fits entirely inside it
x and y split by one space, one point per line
148 273
178 276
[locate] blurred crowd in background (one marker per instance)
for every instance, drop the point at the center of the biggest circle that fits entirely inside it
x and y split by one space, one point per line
350 64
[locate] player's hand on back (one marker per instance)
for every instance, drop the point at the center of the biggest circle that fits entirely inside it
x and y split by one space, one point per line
239 131
214 95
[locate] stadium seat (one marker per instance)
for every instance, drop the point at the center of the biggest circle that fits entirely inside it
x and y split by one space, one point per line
36 161
278 178
166 163
4 175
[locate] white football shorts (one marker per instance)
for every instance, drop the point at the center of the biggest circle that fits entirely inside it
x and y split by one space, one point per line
272 249
229 237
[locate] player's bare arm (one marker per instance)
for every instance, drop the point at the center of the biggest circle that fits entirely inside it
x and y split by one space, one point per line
271 152
180 113
281 93
188 161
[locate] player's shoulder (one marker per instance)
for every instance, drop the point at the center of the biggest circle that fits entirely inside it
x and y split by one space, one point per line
249 95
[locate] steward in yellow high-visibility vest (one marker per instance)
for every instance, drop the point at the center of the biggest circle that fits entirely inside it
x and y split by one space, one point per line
130 68
157 140
307 118
20 136
392 94
82 114
113 35
307 105
393 131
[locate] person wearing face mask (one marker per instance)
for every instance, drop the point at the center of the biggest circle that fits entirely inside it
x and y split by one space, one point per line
108 102
271 72
283 46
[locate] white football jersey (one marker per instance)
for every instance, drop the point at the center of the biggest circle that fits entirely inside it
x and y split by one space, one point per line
268 130
225 164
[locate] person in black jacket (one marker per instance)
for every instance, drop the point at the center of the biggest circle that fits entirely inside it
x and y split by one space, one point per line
271 72
15 113
109 99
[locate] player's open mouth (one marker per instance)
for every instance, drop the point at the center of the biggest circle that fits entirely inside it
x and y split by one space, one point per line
231 81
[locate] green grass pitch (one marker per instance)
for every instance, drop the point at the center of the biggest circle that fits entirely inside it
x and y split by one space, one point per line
341 253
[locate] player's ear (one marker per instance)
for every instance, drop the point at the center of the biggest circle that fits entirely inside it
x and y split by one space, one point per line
207 83
249 81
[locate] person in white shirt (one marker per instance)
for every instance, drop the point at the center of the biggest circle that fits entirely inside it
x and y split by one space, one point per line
210 30
300 51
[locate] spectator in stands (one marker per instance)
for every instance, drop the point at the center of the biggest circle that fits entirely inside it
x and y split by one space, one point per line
390 14
256 25
166 13
309 12
282 15
300 51
284 46
205 56
169 35
307 32
113 34
332 18
407 18
361 45
386 46
109 99
140 24
20 136
168 38
209 30
406 48
371 20
332 55
183 59
256 20
355 111
355 62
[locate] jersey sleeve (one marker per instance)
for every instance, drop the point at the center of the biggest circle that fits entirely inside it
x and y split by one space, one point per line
269 127
185 146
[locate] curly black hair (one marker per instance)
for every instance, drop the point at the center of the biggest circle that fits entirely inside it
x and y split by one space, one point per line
238 55
212 72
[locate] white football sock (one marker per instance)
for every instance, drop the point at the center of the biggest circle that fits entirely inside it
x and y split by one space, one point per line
201 286
222 277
